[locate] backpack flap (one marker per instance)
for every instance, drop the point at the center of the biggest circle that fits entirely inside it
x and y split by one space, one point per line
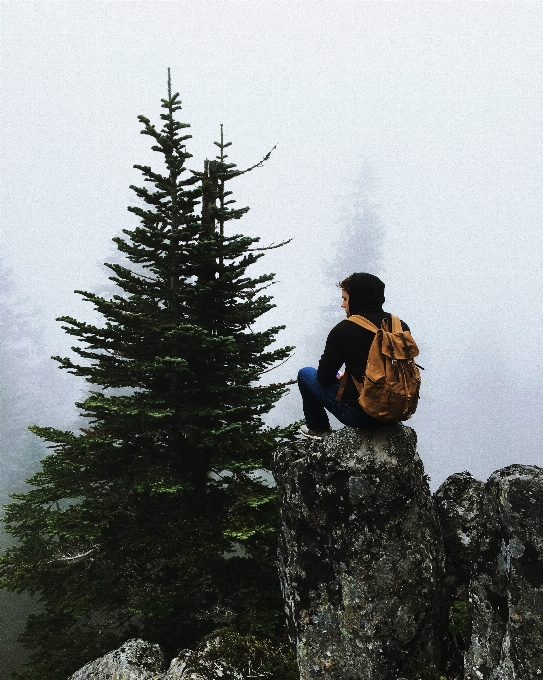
399 345
390 387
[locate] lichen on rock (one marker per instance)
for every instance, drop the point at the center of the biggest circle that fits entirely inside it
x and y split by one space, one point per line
374 571
222 655
134 660
361 555
494 543
193 665
506 589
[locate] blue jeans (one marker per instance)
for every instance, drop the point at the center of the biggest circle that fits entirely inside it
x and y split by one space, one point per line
318 398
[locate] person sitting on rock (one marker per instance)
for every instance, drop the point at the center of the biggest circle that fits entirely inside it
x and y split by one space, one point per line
347 345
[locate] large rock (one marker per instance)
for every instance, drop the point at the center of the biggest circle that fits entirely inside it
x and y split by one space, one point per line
135 660
494 543
506 591
461 506
361 556
140 660
195 665
366 584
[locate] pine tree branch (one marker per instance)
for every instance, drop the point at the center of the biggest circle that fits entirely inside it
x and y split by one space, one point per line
260 163
114 353
273 246
274 385
71 558
236 173
250 294
278 365
149 278
256 165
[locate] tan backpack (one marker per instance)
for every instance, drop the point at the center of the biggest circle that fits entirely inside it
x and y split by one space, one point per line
390 386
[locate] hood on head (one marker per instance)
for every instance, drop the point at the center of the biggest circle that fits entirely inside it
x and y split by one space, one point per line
366 293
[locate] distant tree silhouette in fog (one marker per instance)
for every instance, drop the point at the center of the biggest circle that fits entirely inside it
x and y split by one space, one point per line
358 248
24 374
29 392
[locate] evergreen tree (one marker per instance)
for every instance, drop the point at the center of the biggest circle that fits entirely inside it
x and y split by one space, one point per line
358 248
25 380
154 520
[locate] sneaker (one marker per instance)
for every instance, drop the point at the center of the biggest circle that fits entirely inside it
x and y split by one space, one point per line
314 434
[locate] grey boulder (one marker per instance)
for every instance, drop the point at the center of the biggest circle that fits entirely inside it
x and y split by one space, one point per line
140 660
493 535
134 660
506 588
361 556
196 665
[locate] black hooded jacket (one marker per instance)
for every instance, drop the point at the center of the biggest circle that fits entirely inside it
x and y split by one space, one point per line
349 344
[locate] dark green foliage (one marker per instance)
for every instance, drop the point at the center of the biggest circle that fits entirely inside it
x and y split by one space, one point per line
250 655
153 521
459 622
26 376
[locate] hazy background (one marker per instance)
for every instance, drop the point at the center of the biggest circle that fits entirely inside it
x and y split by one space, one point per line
409 144
429 114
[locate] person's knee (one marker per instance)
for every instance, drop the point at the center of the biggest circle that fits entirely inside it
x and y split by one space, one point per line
306 374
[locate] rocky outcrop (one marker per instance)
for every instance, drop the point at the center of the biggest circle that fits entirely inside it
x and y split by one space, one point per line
135 660
494 544
461 505
140 660
195 665
361 556
382 582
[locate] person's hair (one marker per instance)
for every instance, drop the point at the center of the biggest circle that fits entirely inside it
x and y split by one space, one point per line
345 284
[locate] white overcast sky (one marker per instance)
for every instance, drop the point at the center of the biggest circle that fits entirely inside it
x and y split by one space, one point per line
442 99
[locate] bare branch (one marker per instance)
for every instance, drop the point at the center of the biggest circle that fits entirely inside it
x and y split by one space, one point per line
272 246
260 163
274 385
69 558
274 367
235 173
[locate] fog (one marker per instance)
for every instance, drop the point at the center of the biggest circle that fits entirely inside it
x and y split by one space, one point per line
440 102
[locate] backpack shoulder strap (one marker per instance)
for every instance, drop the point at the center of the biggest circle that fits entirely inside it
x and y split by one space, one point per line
342 385
362 321
396 324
